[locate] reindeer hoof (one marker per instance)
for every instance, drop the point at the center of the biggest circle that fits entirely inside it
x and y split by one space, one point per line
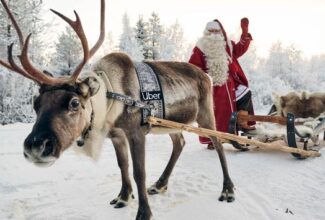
120 203
114 201
227 196
152 190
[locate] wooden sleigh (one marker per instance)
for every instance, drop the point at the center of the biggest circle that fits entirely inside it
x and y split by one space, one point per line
241 142
291 132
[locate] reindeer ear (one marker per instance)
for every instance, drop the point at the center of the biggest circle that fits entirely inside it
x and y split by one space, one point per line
89 87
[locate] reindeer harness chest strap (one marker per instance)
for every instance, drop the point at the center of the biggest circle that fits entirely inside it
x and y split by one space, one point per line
127 100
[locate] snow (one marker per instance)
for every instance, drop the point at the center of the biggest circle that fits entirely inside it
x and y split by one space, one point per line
269 185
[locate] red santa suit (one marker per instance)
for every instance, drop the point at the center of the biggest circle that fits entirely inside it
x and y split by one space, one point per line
232 84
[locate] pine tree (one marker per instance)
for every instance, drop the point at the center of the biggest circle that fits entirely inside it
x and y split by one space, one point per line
68 52
155 32
141 35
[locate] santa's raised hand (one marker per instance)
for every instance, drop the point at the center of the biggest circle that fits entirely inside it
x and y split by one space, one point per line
244 22
244 25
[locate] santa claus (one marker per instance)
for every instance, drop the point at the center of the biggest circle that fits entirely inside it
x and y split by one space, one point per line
217 56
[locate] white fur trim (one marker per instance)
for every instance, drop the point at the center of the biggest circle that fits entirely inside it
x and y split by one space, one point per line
241 91
212 25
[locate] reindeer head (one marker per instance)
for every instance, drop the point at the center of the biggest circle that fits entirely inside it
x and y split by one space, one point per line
62 107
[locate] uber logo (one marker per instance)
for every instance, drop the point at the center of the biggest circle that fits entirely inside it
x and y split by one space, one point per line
152 95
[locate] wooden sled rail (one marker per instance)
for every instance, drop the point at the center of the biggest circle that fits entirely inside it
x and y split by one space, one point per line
227 136
243 117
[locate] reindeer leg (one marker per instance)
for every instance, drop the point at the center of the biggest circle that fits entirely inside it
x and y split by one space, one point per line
161 185
137 147
206 119
227 190
120 145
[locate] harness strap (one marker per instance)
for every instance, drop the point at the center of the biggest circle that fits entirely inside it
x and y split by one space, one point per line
127 100
150 91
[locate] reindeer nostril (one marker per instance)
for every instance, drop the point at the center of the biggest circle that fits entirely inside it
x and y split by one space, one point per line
48 145
37 141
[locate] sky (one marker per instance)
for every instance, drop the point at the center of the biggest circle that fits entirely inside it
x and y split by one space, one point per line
298 22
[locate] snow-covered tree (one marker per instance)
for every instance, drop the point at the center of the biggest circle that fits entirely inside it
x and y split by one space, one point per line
141 35
153 40
263 85
128 42
296 67
16 99
108 45
28 16
277 63
315 73
287 64
17 92
68 52
174 45
155 32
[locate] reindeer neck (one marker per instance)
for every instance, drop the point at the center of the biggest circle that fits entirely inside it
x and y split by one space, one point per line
97 129
106 110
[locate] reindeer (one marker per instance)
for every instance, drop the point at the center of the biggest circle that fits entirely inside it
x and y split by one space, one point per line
69 107
302 105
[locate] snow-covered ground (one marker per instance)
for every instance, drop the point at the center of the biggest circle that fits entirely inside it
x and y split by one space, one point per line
269 185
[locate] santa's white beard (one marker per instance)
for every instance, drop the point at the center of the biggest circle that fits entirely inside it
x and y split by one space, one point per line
214 48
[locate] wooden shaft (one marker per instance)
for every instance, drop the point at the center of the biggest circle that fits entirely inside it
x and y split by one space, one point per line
244 117
227 136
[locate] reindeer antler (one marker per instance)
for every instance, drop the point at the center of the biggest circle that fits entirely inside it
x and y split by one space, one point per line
33 73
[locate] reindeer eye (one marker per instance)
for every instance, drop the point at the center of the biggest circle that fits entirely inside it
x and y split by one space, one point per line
74 104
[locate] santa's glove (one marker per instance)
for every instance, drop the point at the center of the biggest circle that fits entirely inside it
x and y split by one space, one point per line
244 27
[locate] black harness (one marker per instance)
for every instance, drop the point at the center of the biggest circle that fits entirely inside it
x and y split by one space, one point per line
150 92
